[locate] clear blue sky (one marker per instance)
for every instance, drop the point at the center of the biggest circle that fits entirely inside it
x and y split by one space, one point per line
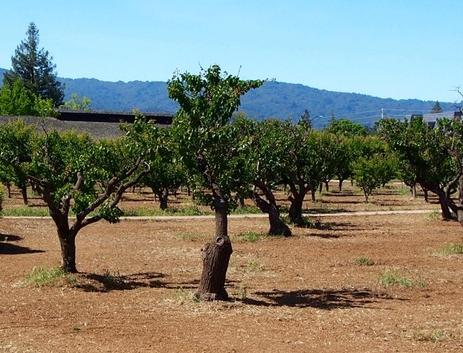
395 48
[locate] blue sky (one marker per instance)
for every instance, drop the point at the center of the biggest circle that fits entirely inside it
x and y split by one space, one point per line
395 48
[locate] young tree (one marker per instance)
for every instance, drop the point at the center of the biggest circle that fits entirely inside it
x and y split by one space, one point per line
34 67
74 172
208 147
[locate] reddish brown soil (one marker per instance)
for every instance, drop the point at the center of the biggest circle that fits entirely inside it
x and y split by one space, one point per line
395 196
302 294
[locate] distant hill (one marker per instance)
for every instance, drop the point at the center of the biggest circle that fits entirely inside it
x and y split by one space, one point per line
273 99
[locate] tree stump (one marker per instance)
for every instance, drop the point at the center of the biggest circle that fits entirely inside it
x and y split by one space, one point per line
216 256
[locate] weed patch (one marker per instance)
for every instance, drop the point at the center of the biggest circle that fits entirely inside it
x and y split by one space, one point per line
40 276
393 277
363 261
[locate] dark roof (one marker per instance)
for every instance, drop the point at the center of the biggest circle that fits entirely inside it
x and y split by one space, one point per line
112 117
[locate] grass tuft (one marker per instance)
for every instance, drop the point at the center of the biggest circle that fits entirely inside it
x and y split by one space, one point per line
246 210
430 336
40 276
251 237
391 277
363 261
450 249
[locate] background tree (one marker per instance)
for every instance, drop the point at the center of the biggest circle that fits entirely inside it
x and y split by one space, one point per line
77 103
346 127
16 147
89 183
17 100
208 147
265 153
166 172
436 108
424 152
306 170
35 68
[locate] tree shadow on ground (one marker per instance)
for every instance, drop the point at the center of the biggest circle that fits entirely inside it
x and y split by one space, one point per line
106 282
9 237
6 248
326 299
13 249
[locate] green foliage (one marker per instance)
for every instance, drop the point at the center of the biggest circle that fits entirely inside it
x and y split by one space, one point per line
346 127
34 67
207 142
17 100
77 103
375 167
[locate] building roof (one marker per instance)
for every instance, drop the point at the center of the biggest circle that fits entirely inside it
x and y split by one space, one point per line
113 117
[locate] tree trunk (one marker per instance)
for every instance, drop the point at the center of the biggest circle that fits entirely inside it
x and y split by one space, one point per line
8 188
163 196
460 200
446 214
295 210
241 201
413 190
68 250
277 226
320 188
426 195
23 188
327 186
340 185
313 195
216 256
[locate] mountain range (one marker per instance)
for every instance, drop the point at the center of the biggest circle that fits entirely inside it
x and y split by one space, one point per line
272 100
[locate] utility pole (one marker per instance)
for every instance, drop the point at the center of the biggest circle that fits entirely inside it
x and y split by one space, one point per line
382 113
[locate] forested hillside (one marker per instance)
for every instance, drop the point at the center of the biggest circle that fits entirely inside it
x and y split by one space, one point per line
273 99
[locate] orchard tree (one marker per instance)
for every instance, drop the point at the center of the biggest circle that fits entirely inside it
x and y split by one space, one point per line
423 151
166 172
72 172
207 144
17 145
266 159
34 67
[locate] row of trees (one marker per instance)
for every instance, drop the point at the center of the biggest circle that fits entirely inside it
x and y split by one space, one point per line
222 159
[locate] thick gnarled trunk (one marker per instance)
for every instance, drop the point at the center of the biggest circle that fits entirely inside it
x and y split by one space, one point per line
295 209
216 256
277 226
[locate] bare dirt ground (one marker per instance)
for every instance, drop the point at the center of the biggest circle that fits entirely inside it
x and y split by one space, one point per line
395 196
302 294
